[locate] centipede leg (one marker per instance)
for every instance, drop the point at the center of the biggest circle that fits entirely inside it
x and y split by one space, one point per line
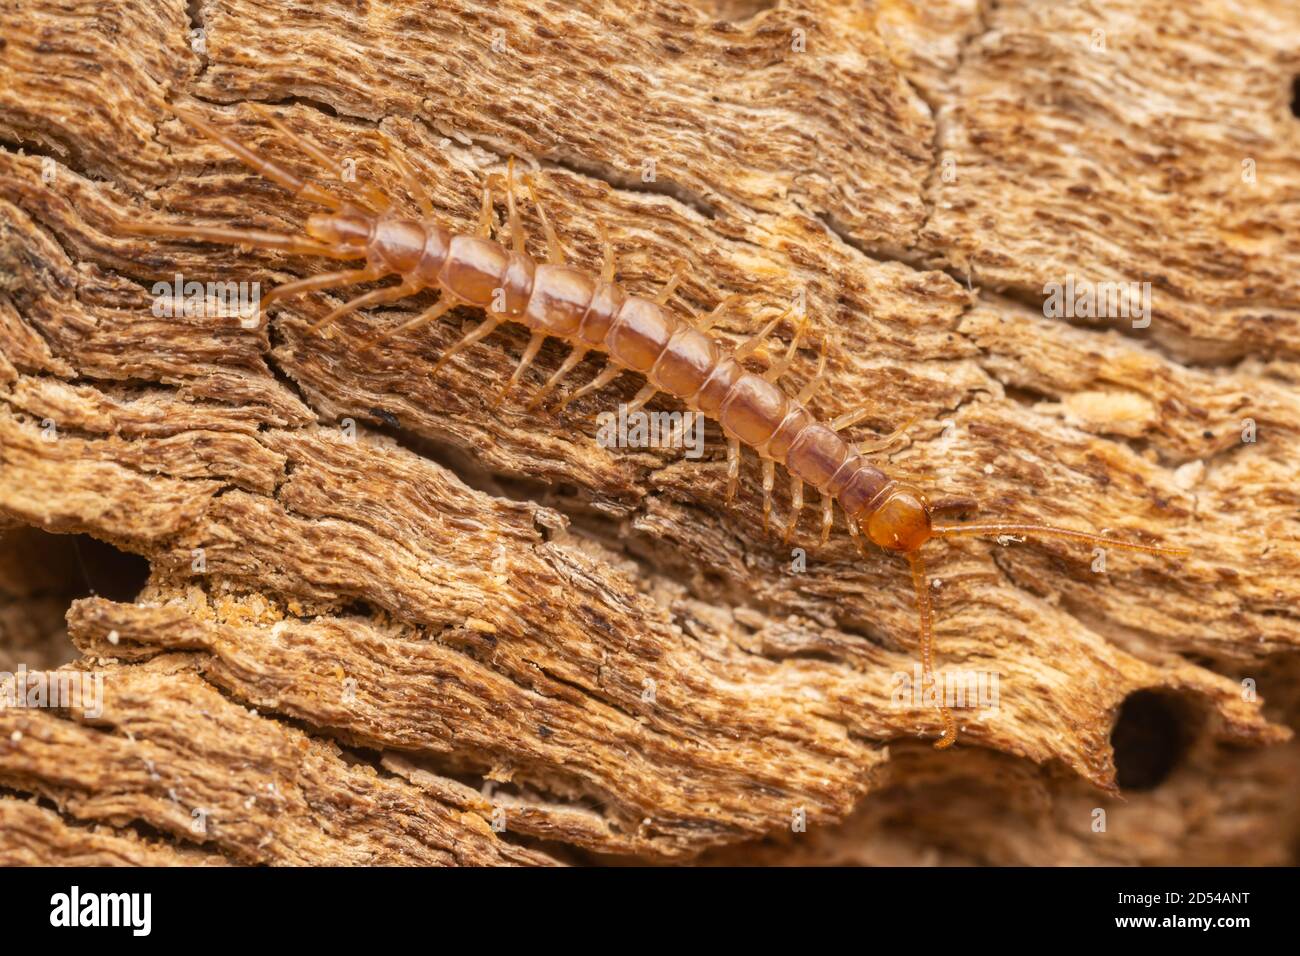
323 159
517 237
808 391
851 417
477 334
669 287
327 280
880 444
260 164
252 238
755 340
610 264
857 537
413 184
608 375
828 517
568 365
377 297
710 320
647 392
485 216
796 506
769 479
431 314
733 467
554 251
530 353
780 368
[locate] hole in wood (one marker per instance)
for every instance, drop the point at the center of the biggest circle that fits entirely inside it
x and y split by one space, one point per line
41 574
1150 738
107 572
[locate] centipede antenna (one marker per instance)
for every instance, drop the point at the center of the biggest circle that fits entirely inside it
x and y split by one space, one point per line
1000 528
325 160
925 614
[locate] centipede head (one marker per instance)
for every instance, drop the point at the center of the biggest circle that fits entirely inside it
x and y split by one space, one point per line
902 522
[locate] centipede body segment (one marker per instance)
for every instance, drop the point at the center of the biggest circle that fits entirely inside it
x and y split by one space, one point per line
593 313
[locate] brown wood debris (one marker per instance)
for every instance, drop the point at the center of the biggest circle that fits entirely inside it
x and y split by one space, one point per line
388 622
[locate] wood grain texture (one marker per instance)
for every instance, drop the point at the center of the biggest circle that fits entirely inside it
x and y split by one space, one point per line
417 618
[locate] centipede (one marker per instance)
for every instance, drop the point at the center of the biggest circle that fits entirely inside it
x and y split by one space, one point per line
592 313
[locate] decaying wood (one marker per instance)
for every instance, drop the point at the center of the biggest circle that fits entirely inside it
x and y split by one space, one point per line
386 622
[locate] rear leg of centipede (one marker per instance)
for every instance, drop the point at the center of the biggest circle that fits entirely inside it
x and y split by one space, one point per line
263 166
379 200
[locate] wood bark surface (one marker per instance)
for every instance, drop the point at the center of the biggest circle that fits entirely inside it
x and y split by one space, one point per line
388 622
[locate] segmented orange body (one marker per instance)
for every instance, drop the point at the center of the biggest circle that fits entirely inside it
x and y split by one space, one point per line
645 337
639 335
